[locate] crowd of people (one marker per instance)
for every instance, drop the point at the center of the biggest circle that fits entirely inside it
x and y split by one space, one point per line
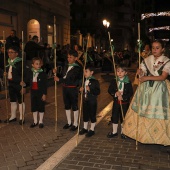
143 115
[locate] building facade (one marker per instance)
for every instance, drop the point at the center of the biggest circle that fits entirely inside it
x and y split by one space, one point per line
36 17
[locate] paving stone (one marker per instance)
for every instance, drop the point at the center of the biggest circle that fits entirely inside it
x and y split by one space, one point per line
12 167
20 162
4 168
102 166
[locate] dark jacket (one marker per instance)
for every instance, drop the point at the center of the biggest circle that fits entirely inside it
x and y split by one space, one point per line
127 91
94 89
17 73
32 50
74 76
12 41
41 80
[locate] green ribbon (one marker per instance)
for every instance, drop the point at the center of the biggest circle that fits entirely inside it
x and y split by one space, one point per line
74 64
36 71
91 77
16 60
125 80
139 44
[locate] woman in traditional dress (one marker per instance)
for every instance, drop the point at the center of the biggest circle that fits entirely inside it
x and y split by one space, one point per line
148 117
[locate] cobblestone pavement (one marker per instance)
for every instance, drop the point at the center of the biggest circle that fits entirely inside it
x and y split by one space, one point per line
26 148
101 153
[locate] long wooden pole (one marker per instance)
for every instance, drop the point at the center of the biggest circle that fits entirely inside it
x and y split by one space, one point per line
5 77
55 65
115 73
81 96
22 78
139 52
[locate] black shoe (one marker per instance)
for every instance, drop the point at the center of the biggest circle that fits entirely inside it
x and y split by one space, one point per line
66 126
83 131
111 135
74 128
20 122
0 121
123 136
33 125
90 133
41 125
12 120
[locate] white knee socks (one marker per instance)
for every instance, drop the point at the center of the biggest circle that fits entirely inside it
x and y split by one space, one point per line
115 126
68 115
22 110
35 117
41 115
76 114
13 110
86 125
92 126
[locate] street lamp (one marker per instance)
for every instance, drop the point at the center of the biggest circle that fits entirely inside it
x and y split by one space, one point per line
106 23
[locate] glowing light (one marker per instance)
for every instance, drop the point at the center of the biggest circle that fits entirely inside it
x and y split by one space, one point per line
106 23
159 28
148 15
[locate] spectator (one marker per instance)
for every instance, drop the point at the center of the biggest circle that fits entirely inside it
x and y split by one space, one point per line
32 49
12 40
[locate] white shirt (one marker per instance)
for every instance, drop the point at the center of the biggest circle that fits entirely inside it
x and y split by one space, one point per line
86 84
35 77
10 71
69 68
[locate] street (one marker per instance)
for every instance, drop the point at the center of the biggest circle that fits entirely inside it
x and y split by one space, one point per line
33 148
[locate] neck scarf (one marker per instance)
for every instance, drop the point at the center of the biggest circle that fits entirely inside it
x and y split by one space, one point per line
74 64
36 71
10 63
91 77
125 80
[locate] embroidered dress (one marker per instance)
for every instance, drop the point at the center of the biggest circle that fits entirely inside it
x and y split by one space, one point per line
150 106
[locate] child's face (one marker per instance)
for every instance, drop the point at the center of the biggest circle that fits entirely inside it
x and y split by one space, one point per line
12 54
88 73
71 59
37 64
121 73
157 49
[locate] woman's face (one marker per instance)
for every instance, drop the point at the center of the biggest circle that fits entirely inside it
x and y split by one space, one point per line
157 49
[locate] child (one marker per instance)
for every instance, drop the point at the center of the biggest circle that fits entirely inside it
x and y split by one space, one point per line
14 76
90 92
148 117
70 81
38 86
121 96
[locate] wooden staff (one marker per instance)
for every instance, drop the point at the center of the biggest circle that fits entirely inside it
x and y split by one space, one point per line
55 66
139 44
81 96
115 72
22 77
5 77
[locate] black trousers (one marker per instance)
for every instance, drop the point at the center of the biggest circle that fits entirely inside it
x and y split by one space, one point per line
70 97
89 110
116 112
14 92
36 101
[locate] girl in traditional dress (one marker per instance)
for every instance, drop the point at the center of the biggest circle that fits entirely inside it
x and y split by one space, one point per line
148 117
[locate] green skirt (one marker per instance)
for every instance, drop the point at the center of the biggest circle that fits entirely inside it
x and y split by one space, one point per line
148 117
